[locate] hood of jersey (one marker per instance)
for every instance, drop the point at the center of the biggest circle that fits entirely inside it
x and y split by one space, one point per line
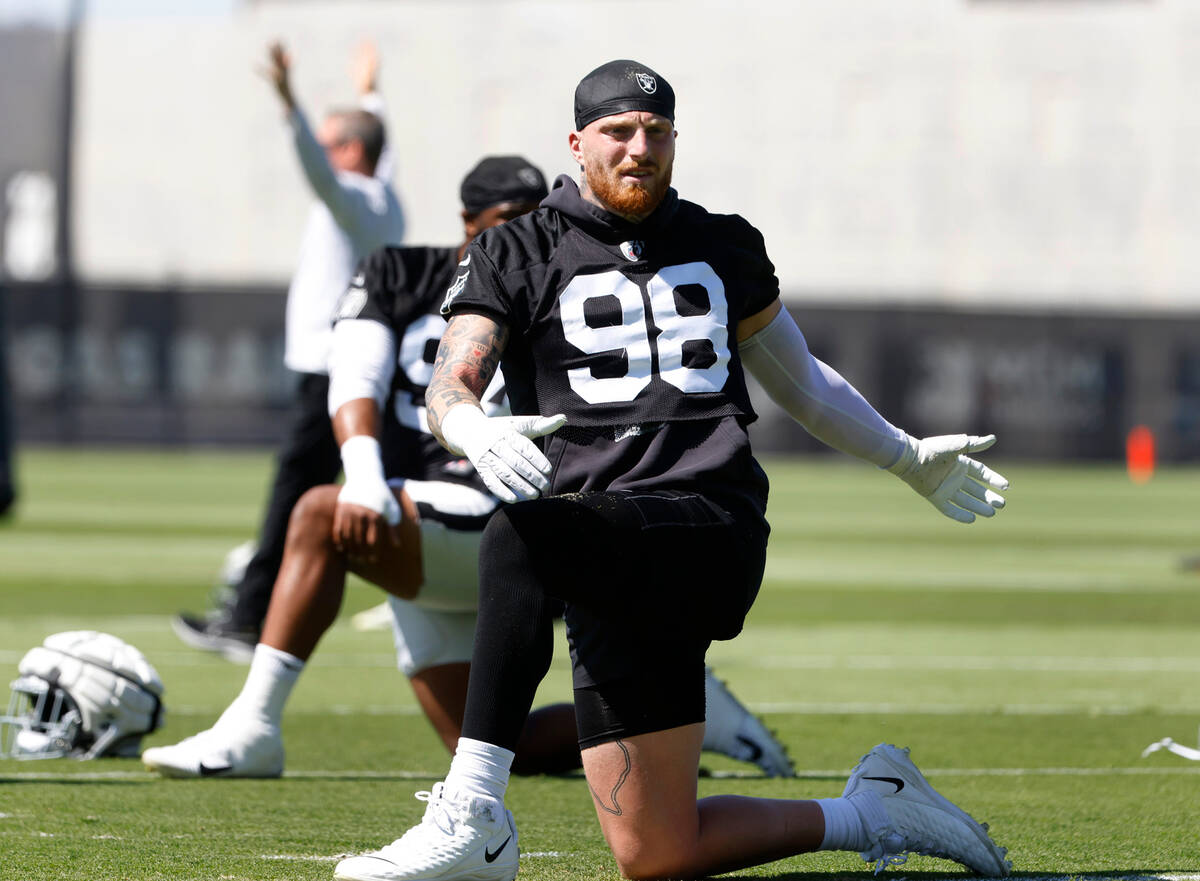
564 197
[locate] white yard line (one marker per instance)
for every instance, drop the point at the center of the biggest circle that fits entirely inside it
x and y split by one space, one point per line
305 858
1000 663
334 710
166 660
813 773
797 573
800 708
835 708
984 663
319 858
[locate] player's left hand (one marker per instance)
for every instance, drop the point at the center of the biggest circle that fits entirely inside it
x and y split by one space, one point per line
957 485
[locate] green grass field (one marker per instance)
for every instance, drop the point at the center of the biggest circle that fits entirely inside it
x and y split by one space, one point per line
1027 661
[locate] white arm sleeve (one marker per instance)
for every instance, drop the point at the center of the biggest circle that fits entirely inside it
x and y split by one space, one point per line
343 193
362 360
816 395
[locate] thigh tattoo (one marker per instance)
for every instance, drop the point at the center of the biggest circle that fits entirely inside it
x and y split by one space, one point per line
615 808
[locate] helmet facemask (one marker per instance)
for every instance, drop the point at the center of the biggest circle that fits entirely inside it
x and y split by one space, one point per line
42 722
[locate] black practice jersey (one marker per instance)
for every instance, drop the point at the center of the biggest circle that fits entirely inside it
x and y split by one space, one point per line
402 289
629 330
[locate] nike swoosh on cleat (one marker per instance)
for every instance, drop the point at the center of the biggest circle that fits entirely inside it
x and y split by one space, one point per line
490 855
755 750
214 770
895 781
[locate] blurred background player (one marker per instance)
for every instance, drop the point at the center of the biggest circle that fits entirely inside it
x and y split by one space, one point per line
356 211
415 535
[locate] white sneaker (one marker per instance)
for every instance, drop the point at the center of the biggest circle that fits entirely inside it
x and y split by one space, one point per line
472 838
732 730
903 814
375 618
251 750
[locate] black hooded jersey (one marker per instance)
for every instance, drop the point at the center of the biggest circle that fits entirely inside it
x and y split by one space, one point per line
629 330
402 289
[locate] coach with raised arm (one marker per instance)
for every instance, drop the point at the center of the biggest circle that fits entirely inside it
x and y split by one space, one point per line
625 317
349 169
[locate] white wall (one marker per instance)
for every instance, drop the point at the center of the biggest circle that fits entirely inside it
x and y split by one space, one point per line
968 151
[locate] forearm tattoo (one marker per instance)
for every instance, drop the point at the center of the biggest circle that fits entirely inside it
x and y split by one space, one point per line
615 807
466 361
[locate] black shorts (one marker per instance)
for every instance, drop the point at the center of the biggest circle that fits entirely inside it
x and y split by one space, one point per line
649 579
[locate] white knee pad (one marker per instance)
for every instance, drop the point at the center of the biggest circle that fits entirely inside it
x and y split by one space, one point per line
438 625
429 637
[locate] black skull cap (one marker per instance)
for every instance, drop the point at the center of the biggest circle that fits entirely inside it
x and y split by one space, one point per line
619 86
499 179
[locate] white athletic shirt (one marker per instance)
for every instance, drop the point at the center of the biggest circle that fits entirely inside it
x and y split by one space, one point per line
354 214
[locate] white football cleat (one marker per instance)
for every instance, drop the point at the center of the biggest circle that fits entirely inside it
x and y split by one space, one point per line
732 730
472 838
375 618
903 814
253 749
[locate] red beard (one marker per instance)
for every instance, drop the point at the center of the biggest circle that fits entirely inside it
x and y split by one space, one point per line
625 197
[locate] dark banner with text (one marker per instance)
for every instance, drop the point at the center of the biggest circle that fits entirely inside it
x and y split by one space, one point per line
149 366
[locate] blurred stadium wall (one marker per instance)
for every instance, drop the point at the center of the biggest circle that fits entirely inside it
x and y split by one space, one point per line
986 213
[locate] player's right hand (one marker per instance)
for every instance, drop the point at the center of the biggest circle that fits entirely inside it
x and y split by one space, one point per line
277 73
364 516
366 506
500 448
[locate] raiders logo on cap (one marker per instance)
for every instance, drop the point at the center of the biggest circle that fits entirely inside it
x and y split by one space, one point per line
620 86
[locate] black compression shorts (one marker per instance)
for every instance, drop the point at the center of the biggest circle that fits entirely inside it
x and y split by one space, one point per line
649 580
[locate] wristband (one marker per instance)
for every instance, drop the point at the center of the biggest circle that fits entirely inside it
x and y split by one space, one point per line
361 460
461 422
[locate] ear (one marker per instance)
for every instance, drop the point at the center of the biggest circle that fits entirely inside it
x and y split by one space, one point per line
575 143
470 227
356 156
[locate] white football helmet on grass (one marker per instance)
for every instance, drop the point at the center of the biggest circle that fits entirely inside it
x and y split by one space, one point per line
82 694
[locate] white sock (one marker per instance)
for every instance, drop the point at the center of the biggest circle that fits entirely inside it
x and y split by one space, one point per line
479 768
843 825
268 685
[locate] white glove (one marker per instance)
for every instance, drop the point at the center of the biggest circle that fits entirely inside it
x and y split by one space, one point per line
511 465
365 484
953 483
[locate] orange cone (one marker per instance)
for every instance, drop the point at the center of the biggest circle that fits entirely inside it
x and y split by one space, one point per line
1139 454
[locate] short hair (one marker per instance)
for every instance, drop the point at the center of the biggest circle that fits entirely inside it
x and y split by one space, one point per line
366 128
